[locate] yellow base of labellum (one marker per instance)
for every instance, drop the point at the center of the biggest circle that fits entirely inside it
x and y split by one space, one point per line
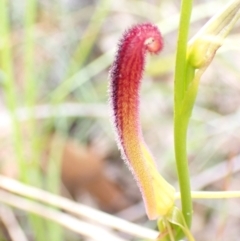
164 194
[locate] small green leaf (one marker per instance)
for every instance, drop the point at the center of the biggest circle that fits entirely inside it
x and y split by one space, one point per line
176 218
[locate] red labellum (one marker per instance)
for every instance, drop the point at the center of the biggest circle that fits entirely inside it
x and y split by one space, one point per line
125 79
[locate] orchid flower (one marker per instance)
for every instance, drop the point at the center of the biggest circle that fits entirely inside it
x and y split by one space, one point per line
125 79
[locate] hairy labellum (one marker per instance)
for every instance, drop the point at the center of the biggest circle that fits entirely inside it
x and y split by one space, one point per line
125 79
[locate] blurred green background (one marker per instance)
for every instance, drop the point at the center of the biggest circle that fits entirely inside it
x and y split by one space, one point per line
55 132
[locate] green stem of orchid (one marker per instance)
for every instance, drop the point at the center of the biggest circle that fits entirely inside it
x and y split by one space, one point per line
211 195
181 121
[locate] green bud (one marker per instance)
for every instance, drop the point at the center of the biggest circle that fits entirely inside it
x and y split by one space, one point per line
203 46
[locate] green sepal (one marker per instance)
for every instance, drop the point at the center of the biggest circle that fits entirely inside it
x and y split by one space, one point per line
169 226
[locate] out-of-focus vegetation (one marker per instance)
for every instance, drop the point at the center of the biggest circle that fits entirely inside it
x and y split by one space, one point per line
55 131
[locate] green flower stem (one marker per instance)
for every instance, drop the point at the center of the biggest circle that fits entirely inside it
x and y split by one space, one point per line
211 195
181 61
181 121
180 135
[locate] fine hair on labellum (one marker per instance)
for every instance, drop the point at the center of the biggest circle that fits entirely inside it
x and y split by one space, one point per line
125 79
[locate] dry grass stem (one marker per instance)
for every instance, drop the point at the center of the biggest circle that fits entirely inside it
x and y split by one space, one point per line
62 110
11 224
78 209
71 223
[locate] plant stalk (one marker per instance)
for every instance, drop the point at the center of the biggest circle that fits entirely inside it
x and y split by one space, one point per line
181 121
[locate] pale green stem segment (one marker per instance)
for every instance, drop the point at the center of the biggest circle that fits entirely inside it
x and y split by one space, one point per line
211 195
180 122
